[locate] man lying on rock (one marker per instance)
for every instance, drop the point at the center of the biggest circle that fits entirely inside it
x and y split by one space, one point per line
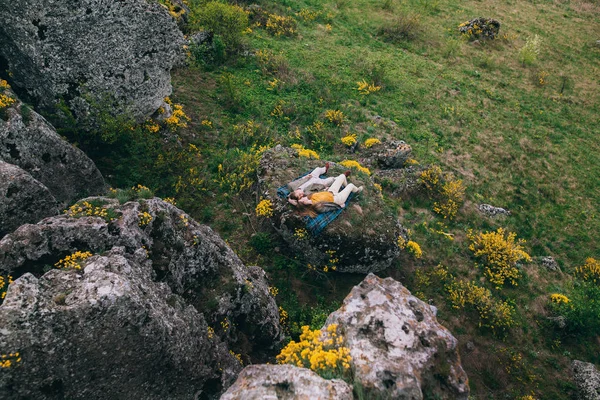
323 194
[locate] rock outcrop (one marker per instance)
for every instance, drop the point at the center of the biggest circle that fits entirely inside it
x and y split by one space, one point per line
22 199
30 142
111 332
362 239
258 382
116 54
587 379
491 211
161 282
398 348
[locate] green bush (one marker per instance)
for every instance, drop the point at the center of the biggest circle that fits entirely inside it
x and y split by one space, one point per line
209 55
224 20
529 53
582 312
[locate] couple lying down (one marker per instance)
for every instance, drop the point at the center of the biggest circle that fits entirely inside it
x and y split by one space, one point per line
312 195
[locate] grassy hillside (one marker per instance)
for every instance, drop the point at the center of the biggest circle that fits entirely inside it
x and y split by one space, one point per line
520 135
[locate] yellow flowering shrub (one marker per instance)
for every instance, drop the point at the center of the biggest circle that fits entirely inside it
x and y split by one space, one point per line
493 314
306 153
349 140
8 360
74 260
87 209
142 192
499 252
4 85
336 117
264 208
279 25
4 282
356 165
170 200
558 298
308 15
448 191
152 126
210 332
206 122
365 88
452 193
410 246
320 350
300 233
431 178
283 317
178 118
237 356
239 173
371 142
5 101
590 271
144 218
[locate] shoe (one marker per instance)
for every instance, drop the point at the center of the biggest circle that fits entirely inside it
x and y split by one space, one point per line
347 173
326 167
359 189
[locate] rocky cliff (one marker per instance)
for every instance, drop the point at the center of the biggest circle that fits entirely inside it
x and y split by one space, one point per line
117 54
162 309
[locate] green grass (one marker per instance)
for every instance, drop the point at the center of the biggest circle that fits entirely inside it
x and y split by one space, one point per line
472 108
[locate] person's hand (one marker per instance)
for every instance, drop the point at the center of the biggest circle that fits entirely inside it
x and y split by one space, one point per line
309 176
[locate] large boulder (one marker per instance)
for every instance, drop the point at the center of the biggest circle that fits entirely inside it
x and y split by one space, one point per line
30 142
113 331
258 382
398 348
117 54
190 260
362 239
587 379
22 199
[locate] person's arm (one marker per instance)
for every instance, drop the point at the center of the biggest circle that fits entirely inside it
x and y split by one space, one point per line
296 184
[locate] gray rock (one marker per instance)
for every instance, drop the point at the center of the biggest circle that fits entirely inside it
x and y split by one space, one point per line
31 143
190 258
587 379
401 183
398 348
22 199
491 211
261 382
362 241
481 28
113 331
549 263
115 53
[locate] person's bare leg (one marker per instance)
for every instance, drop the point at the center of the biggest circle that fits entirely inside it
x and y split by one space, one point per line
338 183
341 197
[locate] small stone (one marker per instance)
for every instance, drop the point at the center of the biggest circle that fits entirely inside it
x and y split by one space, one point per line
470 346
492 211
549 263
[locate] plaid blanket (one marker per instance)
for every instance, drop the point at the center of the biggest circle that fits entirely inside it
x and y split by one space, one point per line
315 225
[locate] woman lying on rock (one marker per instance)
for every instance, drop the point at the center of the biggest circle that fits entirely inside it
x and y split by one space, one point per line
312 195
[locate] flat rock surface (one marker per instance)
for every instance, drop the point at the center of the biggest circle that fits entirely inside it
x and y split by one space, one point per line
259 382
587 379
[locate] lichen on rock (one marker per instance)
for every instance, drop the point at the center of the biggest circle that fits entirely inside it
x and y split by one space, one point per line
177 305
117 53
398 348
258 382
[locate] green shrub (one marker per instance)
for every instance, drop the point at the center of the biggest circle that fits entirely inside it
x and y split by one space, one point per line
529 53
224 20
209 55
582 310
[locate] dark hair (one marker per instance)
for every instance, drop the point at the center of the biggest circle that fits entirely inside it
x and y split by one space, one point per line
293 196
